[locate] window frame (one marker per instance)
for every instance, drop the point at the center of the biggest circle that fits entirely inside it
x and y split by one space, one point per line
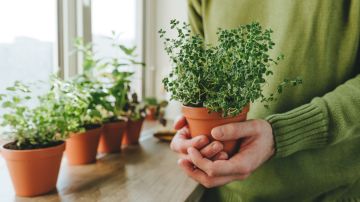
74 20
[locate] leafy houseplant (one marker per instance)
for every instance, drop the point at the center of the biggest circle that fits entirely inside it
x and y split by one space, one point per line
82 145
155 110
216 83
37 131
108 80
118 86
136 112
125 103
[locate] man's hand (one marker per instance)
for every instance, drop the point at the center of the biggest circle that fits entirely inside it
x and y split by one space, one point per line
182 141
257 146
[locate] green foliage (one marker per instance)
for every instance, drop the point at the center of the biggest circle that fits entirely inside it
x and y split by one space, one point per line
56 113
223 78
101 93
108 82
151 102
134 109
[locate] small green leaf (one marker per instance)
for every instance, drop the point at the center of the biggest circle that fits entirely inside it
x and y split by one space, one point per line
11 89
7 104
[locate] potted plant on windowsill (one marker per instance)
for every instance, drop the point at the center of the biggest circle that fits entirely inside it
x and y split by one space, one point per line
101 88
115 122
151 105
136 113
37 129
217 83
155 110
81 146
119 70
112 78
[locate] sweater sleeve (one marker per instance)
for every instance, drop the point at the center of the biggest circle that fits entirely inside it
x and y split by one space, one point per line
195 17
326 120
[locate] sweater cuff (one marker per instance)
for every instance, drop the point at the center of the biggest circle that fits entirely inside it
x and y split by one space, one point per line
305 127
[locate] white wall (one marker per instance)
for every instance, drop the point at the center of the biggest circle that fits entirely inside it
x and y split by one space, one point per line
163 12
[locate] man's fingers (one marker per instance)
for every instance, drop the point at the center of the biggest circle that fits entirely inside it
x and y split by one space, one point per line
214 168
212 149
191 171
234 131
180 143
180 123
203 178
220 156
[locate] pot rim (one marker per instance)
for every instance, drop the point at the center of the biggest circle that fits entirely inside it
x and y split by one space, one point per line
86 131
116 121
139 120
10 154
203 113
31 150
121 124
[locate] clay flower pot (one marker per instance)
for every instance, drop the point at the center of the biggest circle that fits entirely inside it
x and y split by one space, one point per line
151 113
81 148
111 136
132 133
33 172
201 122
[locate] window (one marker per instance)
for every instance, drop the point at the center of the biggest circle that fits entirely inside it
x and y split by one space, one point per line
28 40
34 45
122 17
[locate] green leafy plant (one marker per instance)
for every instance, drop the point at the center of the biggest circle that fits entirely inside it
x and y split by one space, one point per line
224 77
151 101
108 81
159 107
134 109
47 120
99 105
126 102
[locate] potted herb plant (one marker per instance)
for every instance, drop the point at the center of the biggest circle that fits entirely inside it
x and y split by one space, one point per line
101 90
119 71
37 128
136 112
155 110
81 147
114 74
217 83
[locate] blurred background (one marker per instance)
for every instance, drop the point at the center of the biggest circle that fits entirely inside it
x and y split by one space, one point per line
37 38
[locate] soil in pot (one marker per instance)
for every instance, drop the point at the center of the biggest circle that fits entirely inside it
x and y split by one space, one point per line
81 148
201 122
34 171
132 133
111 136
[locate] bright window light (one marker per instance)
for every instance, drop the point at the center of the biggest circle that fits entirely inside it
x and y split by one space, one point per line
119 16
28 40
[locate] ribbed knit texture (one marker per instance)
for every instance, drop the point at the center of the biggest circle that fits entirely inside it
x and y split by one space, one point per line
316 125
302 128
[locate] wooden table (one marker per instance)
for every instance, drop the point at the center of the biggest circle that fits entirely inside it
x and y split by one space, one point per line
143 173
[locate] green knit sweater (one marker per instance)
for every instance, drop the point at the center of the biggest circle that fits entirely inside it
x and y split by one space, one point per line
316 125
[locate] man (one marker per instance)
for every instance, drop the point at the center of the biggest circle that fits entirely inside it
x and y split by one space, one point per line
306 147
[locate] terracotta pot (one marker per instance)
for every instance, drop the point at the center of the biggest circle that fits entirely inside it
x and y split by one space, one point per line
111 136
151 113
81 148
201 123
34 172
132 133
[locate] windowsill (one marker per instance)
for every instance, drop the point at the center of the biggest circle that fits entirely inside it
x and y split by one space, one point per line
139 173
